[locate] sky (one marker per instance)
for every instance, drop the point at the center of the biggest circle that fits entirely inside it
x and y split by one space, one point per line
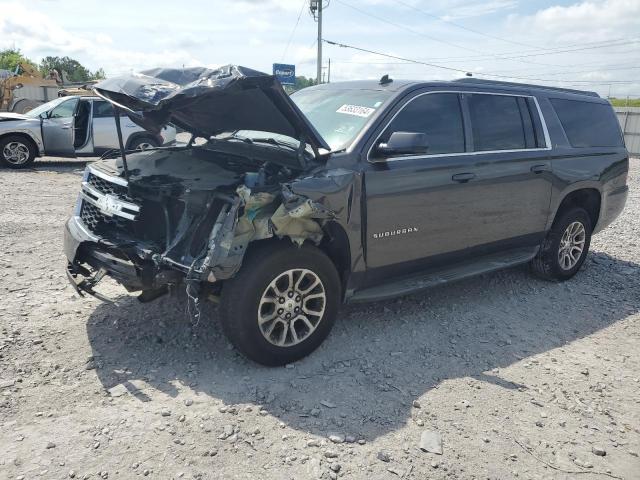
590 44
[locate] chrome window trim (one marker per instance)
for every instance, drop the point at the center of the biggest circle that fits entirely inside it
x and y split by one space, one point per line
117 180
545 130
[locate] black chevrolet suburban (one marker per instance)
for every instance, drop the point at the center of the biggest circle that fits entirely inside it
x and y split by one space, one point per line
281 208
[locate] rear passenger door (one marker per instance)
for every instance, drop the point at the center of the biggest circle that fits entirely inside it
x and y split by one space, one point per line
105 136
512 168
104 126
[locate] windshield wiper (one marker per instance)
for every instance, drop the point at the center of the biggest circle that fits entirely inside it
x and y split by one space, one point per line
273 141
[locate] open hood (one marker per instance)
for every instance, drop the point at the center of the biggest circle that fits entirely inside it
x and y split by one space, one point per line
207 102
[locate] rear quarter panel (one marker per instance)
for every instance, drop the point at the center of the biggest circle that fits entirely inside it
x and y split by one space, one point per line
601 168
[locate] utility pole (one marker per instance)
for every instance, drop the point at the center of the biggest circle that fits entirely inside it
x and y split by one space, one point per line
329 72
315 7
319 60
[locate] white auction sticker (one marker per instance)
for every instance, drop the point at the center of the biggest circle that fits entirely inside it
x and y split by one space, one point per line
356 110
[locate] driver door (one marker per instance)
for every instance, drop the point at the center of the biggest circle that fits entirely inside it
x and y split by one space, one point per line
58 129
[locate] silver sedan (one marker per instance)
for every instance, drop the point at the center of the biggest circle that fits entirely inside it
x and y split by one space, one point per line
70 127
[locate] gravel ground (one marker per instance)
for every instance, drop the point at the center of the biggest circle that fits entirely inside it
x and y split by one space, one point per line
516 376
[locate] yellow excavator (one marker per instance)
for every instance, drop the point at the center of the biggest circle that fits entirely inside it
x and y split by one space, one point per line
25 88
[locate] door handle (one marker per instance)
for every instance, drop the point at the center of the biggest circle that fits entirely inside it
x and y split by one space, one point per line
540 168
66 126
463 177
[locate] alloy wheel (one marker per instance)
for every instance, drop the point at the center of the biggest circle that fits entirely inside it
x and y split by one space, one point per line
16 153
571 245
291 307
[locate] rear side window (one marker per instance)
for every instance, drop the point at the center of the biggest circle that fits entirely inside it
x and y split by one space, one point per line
498 123
102 110
588 124
438 115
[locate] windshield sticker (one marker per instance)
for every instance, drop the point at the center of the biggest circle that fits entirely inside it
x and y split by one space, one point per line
356 110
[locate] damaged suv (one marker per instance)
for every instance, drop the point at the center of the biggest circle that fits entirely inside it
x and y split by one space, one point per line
342 192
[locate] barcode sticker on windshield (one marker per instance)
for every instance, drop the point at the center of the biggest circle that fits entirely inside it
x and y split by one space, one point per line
356 110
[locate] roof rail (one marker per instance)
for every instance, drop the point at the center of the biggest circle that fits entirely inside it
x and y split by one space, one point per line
482 81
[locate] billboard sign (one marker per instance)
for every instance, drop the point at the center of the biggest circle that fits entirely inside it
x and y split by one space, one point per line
286 74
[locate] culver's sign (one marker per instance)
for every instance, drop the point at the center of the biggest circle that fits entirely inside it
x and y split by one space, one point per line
286 74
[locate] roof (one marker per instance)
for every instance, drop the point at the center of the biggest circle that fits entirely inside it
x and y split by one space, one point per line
400 84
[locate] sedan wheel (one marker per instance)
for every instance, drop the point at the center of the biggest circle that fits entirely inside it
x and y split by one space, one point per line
16 153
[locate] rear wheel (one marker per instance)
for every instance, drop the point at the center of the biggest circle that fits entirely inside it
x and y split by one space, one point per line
282 303
16 151
143 143
564 250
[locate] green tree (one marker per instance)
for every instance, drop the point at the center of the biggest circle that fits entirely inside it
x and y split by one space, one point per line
304 82
98 75
70 69
11 57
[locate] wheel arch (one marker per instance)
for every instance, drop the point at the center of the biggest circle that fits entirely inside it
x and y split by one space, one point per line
140 135
334 244
27 136
588 197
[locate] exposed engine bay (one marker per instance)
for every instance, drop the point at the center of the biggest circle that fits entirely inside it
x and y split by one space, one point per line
188 214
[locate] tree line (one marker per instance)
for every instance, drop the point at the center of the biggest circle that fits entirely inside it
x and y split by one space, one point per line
72 69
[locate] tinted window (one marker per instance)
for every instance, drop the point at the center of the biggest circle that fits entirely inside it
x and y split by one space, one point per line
496 122
436 114
588 124
65 109
102 109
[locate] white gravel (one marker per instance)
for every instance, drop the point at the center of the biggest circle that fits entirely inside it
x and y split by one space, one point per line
516 376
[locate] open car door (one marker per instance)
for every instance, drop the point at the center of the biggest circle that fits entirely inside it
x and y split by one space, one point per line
58 130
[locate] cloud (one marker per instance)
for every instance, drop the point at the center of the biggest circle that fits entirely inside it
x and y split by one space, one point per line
478 9
38 36
592 20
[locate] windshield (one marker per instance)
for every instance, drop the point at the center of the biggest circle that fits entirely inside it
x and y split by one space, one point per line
35 113
339 115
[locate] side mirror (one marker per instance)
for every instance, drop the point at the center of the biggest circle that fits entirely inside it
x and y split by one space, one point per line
44 115
404 143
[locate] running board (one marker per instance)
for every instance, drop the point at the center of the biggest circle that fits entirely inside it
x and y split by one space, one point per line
444 275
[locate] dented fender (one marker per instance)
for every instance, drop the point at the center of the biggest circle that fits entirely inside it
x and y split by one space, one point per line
299 212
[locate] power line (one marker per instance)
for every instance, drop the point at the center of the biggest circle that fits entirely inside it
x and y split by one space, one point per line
422 34
295 27
412 7
499 56
467 72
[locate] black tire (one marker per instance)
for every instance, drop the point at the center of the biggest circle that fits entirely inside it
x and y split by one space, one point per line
546 264
24 105
146 142
13 145
241 295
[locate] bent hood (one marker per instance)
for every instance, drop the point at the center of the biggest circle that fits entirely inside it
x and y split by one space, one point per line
207 102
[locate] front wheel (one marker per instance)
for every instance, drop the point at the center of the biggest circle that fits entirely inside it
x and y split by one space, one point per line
16 151
282 303
564 250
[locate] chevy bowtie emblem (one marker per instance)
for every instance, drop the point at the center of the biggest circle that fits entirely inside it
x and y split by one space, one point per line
393 233
109 205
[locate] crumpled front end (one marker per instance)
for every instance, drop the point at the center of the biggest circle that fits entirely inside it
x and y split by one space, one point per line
165 229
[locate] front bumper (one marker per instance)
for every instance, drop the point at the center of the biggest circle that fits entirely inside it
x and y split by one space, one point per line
90 257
